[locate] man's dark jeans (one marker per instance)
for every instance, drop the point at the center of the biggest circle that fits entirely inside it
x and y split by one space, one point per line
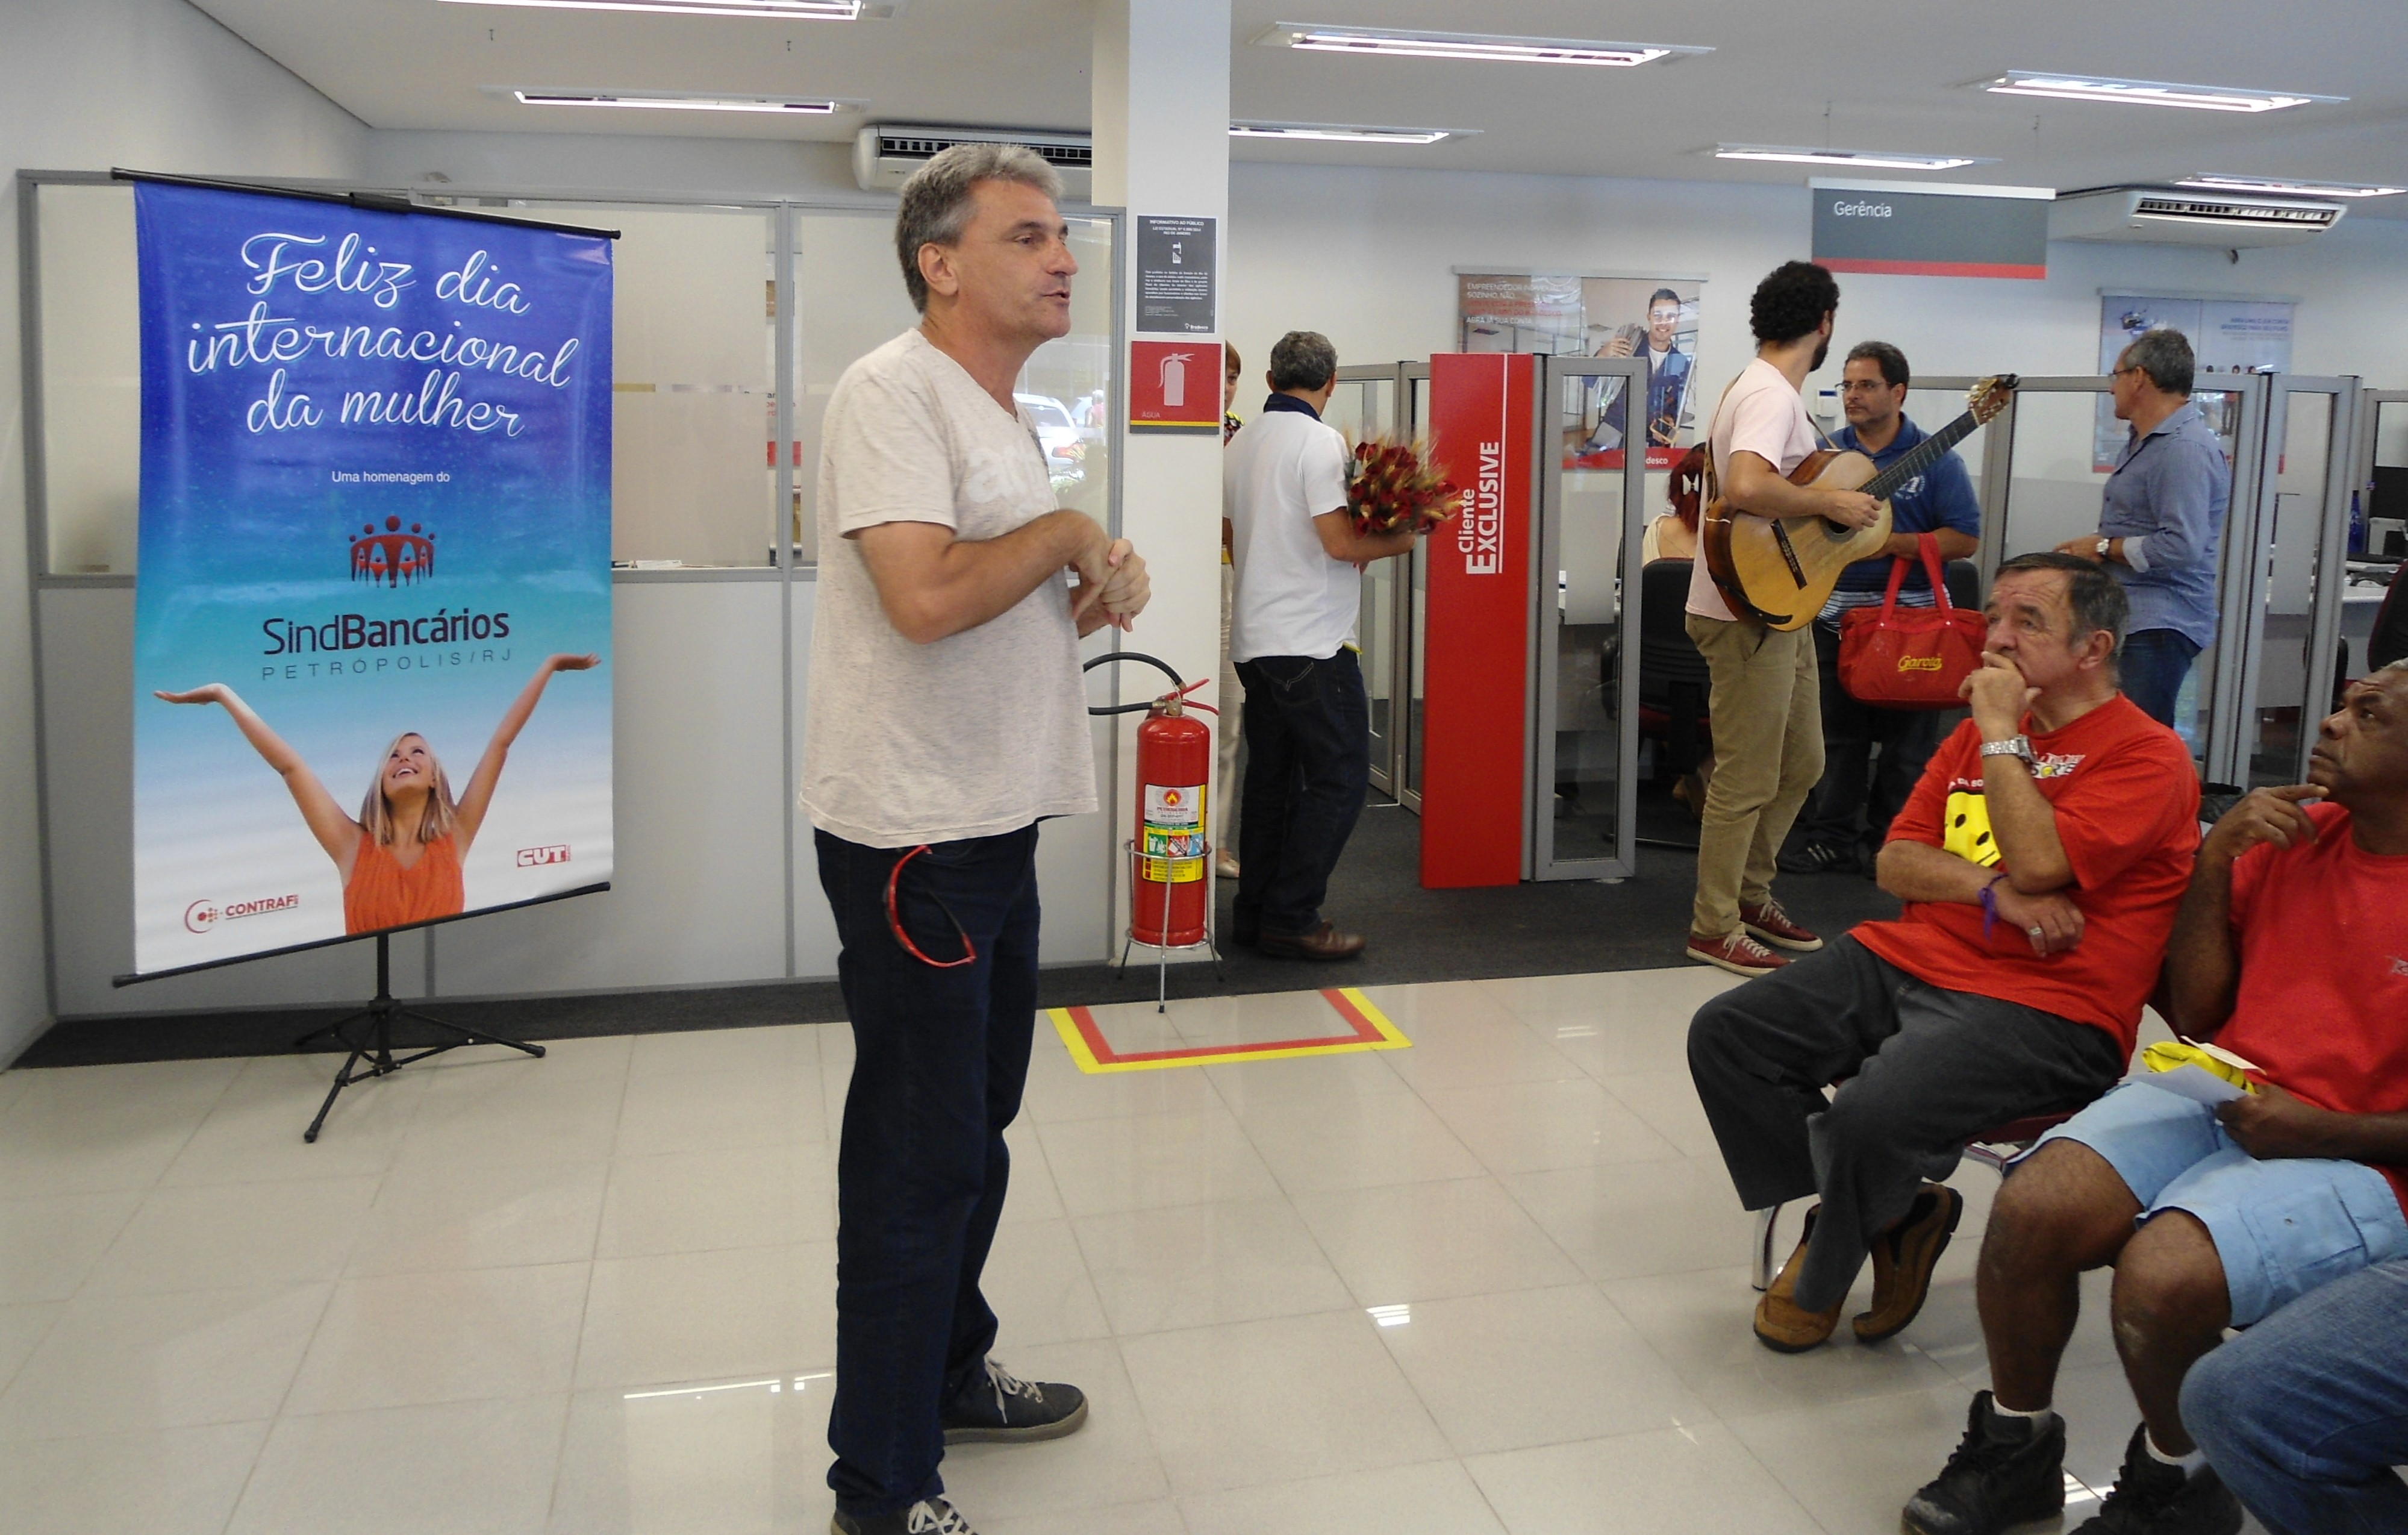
2151 668
1309 745
940 1057
1851 787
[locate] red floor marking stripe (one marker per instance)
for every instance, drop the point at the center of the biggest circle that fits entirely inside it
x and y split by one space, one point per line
1362 1032
1364 1029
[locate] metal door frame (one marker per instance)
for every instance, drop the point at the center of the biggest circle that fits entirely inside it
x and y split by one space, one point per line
2331 558
1538 859
1416 570
1387 768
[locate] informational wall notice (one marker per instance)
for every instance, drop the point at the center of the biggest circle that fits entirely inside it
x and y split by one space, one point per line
1178 275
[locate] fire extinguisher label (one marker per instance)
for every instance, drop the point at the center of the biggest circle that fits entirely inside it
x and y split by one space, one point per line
1174 833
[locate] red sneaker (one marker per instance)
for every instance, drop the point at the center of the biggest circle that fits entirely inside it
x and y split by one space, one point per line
1770 923
1737 952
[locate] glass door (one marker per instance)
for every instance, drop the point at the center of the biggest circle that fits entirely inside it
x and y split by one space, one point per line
1585 780
2302 541
1365 406
1413 425
2378 521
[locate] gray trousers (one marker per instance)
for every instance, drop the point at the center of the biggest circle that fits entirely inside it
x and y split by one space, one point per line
1925 1070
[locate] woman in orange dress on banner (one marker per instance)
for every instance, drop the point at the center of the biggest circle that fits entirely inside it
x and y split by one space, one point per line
401 859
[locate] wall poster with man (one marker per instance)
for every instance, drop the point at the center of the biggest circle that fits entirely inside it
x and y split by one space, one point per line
372 621
1584 315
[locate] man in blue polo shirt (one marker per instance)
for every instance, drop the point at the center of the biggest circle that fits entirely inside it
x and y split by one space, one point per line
2160 520
1849 813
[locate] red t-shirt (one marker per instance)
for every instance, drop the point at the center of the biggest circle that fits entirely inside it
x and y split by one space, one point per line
2322 1008
2126 804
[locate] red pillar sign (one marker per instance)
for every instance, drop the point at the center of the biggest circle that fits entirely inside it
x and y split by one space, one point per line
1475 728
1174 386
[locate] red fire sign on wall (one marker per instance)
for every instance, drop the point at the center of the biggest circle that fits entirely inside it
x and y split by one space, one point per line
1174 386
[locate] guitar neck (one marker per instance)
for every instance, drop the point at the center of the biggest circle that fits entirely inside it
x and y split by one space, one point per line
1921 457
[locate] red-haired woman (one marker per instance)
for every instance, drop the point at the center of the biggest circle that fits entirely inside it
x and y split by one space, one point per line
400 859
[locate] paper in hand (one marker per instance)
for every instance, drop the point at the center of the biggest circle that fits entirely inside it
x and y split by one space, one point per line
2194 1083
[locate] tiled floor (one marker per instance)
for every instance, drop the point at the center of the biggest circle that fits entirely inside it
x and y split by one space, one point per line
1492 1283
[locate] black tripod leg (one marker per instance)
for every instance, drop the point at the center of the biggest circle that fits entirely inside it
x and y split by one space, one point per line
342 1079
468 1035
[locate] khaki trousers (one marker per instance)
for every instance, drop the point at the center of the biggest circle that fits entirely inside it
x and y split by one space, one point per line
1229 695
1767 724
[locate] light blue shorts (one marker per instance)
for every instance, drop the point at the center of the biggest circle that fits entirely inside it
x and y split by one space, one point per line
2281 1228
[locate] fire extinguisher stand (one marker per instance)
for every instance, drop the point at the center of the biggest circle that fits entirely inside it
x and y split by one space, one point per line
1168 729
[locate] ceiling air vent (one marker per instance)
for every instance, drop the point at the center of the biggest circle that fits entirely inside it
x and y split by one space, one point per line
885 154
2164 216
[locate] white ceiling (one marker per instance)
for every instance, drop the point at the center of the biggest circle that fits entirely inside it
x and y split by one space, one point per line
1862 74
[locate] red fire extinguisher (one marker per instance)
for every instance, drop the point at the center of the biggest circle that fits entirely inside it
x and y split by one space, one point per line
1174 769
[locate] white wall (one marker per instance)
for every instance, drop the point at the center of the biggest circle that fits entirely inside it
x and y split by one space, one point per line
89 84
1365 258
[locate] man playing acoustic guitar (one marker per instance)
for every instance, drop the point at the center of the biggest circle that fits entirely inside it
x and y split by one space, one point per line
1766 702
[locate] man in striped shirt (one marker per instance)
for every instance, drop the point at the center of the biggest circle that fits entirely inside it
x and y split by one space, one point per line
1939 501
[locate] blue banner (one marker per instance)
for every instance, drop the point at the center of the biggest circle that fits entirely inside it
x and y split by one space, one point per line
372 622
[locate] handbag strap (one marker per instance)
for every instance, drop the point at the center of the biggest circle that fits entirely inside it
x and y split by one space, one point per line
1927 547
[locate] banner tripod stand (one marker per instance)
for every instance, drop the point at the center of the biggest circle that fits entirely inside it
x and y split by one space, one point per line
374 1044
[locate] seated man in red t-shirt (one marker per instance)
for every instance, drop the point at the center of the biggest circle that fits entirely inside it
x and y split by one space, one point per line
2040 858
2290 951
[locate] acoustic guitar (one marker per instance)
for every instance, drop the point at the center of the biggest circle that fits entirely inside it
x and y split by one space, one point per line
1781 570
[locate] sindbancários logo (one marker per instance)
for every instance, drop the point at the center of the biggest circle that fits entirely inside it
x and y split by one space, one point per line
203 915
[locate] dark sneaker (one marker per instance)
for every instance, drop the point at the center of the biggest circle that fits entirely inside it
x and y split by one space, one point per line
928 1517
2151 1497
1815 859
998 1408
1735 952
2005 1471
1903 1258
1772 924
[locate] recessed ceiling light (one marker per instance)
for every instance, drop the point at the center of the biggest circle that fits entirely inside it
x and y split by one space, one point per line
1333 132
1858 159
787 10
682 102
2209 98
1314 37
2305 189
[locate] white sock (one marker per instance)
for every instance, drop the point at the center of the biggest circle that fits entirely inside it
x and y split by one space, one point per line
2041 1418
2190 1463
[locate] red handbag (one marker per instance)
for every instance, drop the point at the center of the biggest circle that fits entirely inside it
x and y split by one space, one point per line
1911 657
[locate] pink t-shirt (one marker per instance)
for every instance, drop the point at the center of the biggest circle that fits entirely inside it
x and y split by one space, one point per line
1761 415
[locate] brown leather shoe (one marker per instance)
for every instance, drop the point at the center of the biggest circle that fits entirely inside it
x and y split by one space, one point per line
1903 1258
1322 942
1780 1324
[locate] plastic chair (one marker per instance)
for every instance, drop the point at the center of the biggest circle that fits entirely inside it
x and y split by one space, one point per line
1994 1149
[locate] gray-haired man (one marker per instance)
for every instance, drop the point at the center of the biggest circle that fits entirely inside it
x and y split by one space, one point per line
946 719
2160 519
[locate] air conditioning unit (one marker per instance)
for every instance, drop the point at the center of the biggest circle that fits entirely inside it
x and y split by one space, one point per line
885 154
2175 216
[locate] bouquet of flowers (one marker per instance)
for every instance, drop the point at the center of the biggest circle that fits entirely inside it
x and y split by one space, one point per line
1395 488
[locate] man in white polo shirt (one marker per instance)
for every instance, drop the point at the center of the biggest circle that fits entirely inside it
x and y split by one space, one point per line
1300 563
946 719
1766 703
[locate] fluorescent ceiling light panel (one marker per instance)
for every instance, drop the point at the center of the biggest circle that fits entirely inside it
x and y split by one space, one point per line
1314 37
2306 189
2208 98
1858 159
1335 132
788 10
682 102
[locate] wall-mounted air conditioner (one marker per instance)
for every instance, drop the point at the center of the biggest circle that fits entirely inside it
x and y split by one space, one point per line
2175 216
885 154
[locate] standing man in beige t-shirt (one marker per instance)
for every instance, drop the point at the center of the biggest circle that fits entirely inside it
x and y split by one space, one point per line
1765 704
945 721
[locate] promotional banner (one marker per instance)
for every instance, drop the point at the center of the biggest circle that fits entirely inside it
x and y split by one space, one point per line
372 622
2227 335
1566 315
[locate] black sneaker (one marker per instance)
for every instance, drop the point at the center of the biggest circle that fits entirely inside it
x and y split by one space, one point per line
2151 1497
928 1517
997 1408
2006 1471
1815 859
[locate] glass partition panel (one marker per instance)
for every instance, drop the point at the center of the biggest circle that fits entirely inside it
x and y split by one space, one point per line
1365 407
2378 531
1417 427
1583 827
2283 708
1071 377
91 377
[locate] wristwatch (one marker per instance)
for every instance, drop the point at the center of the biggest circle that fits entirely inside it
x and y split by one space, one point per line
2014 746
2103 545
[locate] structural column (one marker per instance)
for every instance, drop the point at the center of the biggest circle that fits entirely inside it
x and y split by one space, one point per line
1161 126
